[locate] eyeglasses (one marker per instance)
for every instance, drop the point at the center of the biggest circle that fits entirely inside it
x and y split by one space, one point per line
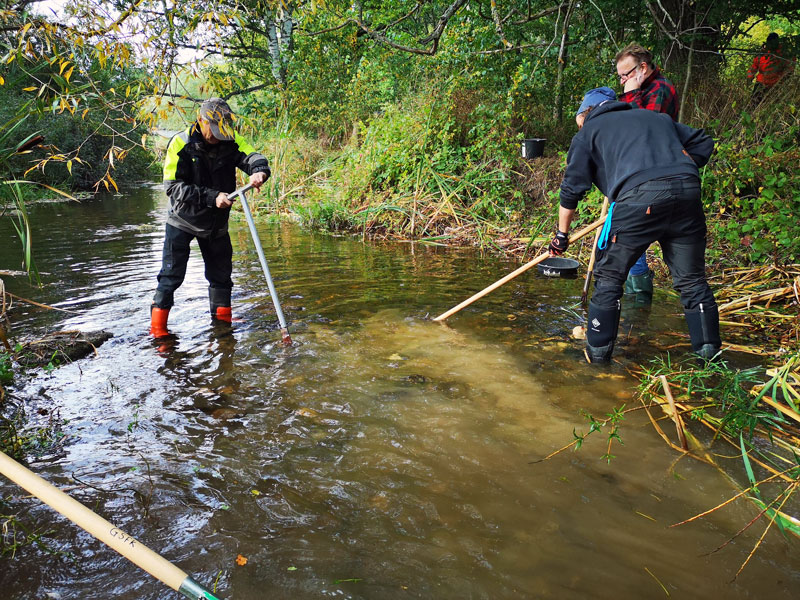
624 75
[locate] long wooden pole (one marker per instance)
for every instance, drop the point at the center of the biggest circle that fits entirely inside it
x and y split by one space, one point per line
106 532
574 238
590 268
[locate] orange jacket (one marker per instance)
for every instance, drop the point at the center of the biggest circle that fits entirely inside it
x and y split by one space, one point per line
769 68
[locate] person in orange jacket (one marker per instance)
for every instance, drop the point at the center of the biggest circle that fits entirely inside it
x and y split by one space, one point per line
768 68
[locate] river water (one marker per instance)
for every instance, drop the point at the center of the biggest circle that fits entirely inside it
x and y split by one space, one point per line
382 455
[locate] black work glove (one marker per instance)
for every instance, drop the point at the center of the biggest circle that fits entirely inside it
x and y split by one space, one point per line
559 243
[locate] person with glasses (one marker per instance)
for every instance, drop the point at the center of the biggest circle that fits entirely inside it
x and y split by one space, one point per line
653 177
644 87
642 82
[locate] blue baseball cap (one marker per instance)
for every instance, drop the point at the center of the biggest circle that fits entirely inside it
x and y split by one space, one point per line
595 97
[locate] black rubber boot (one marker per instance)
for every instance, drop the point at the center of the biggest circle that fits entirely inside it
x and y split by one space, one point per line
601 332
220 298
703 325
640 287
601 355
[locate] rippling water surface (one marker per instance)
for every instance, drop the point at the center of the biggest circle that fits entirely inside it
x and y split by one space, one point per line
381 456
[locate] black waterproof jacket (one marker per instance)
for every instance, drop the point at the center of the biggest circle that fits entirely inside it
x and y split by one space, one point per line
620 147
194 175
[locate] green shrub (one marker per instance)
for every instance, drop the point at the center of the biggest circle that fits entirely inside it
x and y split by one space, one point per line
752 192
6 368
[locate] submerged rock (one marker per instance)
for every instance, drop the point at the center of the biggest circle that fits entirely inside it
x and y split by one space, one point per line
61 347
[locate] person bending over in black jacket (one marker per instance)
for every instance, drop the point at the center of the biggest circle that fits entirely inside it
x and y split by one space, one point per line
652 176
199 173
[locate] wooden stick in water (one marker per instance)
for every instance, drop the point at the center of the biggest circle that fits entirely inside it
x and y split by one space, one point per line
132 549
574 238
590 268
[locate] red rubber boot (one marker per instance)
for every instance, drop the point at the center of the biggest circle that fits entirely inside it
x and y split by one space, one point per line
158 321
223 313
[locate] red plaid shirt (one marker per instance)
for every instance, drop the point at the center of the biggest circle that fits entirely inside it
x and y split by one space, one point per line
656 94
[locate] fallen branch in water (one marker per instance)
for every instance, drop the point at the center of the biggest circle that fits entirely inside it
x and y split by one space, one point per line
61 346
47 306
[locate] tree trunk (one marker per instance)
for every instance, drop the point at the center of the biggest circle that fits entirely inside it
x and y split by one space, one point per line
687 80
280 40
558 109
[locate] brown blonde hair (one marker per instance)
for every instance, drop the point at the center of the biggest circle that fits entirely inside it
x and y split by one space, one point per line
637 51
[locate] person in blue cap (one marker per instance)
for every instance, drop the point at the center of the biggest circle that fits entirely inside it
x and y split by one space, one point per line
653 182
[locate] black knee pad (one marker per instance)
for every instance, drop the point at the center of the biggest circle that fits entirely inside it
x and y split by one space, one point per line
607 290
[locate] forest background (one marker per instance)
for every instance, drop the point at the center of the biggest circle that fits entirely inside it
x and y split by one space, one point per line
397 118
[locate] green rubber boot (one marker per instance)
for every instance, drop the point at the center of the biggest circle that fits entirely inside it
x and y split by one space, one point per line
640 287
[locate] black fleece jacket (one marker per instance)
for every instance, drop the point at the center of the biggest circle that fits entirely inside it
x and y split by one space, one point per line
620 147
195 172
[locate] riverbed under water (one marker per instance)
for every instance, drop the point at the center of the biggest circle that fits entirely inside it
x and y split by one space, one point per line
382 455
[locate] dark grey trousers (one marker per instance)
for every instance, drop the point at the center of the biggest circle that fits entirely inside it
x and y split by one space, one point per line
217 256
669 212
666 211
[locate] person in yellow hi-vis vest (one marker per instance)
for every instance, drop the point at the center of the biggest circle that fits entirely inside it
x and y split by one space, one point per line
199 173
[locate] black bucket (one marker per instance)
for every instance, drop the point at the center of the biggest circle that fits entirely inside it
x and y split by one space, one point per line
558 266
533 147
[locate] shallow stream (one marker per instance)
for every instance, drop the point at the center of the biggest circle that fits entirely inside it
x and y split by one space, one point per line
383 455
